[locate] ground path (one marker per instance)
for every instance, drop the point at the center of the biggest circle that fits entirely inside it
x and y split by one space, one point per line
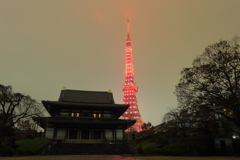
186 158
113 157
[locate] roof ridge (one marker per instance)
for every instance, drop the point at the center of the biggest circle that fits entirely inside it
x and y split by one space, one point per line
86 90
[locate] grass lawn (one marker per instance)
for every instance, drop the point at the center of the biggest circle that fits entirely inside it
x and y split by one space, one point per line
32 145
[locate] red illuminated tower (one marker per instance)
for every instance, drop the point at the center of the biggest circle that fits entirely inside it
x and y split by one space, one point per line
130 88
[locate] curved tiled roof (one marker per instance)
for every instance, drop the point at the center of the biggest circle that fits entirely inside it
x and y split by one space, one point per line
79 96
78 99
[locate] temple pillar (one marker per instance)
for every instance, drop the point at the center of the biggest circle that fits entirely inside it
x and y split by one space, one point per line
114 133
66 135
55 133
123 133
104 135
79 133
91 134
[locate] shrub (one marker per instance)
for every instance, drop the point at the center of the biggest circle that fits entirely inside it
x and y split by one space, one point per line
160 140
200 149
236 145
31 146
180 148
155 150
139 148
30 136
149 147
175 149
21 151
7 151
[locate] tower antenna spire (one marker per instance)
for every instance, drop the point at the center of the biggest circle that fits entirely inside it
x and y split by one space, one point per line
128 27
130 88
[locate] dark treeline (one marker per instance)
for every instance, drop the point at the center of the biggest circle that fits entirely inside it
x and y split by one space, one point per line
208 95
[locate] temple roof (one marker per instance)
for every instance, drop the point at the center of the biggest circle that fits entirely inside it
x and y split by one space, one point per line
79 96
78 99
80 105
119 109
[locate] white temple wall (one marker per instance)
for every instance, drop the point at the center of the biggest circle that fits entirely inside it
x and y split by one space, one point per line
108 133
119 133
61 132
49 132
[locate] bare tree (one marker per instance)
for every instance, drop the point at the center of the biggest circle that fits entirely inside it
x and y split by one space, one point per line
15 107
180 119
147 129
214 81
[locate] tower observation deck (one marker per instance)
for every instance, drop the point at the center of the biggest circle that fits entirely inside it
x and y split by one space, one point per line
130 88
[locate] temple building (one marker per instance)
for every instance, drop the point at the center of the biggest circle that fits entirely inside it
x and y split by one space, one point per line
84 116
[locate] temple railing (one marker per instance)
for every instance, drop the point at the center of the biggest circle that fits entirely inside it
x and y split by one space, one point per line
48 147
132 149
116 138
56 138
63 137
84 141
103 140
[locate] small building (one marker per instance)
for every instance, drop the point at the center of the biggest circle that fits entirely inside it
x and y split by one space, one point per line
160 128
84 117
223 141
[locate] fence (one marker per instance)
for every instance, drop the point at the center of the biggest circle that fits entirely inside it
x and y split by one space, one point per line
48 147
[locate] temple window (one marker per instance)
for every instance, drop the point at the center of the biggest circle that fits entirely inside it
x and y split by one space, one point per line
108 134
97 115
119 133
64 114
107 115
61 133
49 132
86 113
85 135
75 114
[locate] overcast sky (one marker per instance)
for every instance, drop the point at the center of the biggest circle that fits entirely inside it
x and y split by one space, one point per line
80 44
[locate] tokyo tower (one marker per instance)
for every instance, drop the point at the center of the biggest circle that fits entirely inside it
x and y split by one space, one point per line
130 88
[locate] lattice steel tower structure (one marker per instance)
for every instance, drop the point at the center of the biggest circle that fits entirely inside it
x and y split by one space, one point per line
130 88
